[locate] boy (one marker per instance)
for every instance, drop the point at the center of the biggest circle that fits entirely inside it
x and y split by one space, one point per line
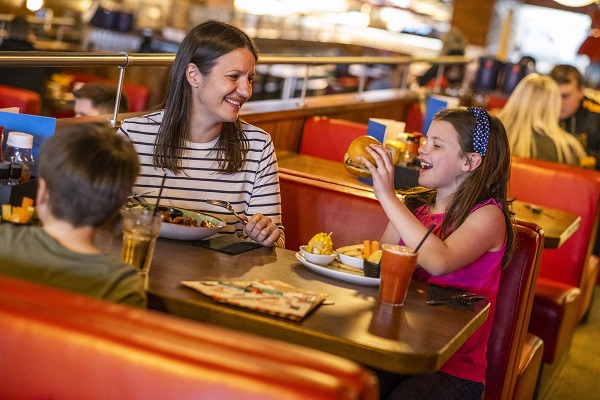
98 98
85 172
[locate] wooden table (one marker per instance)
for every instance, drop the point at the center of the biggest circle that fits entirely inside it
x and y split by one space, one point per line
415 338
558 225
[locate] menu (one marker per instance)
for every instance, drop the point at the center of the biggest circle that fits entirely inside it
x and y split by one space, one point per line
270 297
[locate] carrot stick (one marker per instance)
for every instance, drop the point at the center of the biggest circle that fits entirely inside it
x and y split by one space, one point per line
374 246
366 249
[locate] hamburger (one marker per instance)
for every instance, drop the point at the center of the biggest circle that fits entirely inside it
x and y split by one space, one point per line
356 150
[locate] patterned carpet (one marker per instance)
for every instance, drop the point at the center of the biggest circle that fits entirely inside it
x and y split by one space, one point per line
579 379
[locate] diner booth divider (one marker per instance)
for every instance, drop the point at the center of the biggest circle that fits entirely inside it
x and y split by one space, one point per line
310 206
56 344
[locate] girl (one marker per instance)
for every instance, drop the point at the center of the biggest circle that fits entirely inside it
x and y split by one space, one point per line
464 176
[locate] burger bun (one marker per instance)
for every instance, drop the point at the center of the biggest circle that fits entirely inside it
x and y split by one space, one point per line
356 150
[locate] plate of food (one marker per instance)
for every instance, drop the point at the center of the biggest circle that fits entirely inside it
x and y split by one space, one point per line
338 270
182 224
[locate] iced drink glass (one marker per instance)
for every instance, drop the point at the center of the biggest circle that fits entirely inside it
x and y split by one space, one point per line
397 266
140 231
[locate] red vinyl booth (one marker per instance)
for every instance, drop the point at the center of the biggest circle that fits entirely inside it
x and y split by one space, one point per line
329 138
569 273
504 376
29 102
60 345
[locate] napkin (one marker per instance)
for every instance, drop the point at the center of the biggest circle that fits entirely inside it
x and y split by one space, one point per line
228 244
436 292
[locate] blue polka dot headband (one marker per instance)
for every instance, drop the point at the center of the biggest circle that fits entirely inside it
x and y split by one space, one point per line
481 132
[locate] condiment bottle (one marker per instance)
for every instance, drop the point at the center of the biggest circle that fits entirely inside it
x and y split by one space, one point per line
1 140
18 153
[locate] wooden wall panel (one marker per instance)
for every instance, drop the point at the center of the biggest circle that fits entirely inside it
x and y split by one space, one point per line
472 18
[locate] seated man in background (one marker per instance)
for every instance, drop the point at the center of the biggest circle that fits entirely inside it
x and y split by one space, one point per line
20 37
579 115
86 173
98 98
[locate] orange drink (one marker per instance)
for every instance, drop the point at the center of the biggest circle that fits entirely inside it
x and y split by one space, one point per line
397 266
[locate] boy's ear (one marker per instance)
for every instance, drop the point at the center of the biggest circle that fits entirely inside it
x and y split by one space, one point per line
41 197
472 162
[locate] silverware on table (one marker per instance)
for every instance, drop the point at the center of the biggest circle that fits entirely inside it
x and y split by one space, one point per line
228 206
464 298
538 210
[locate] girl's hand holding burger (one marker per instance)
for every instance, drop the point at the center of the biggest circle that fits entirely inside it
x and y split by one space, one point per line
382 171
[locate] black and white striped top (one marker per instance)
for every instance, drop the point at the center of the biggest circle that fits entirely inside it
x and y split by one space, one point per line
255 189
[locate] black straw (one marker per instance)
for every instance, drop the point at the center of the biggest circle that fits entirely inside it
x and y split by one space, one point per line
162 184
424 237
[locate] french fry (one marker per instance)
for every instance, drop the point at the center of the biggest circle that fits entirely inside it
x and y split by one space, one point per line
366 249
6 211
26 202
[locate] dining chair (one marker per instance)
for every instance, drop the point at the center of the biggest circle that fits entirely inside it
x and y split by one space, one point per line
511 318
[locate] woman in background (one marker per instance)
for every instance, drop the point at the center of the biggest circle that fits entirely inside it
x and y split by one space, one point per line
531 117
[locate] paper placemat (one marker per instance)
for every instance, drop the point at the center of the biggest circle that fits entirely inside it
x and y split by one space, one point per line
270 297
228 244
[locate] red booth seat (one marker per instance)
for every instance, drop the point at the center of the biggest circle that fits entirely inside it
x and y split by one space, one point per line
513 307
60 345
310 206
28 101
329 138
568 274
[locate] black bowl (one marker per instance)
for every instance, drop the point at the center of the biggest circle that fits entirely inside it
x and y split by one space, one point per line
371 270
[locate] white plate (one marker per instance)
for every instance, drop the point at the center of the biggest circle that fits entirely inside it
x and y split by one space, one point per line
184 232
334 272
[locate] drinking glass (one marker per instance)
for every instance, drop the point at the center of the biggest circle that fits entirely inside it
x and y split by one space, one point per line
140 231
397 266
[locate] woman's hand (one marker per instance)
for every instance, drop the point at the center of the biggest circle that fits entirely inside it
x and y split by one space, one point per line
262 230
383 173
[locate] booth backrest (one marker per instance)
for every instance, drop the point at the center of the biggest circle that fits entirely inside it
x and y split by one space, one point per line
513 308
28 101
61 345
566 188
310 206
329 138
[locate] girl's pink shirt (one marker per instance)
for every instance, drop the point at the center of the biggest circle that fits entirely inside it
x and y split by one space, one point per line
482 277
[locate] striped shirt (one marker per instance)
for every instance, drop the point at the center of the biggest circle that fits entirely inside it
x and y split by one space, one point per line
254 189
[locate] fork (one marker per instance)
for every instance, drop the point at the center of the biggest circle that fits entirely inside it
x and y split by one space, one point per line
228 206
461 297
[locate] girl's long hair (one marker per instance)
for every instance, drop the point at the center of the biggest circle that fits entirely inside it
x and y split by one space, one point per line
488 181
534 109
202 46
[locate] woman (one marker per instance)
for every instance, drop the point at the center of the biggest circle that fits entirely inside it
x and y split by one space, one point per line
202 146
531 117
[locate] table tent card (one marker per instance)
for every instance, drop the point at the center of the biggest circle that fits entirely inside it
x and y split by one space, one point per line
436 103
